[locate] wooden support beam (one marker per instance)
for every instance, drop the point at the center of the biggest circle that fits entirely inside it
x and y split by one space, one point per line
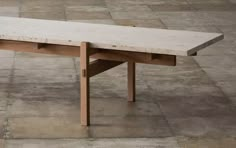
99 66
131 81
40 48
194 54
84 84
105 54
161 59
137 57
40 45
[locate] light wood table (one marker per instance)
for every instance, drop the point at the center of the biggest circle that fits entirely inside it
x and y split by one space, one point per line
111 45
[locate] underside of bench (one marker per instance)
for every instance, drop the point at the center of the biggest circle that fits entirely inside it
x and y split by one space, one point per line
105 54
105 60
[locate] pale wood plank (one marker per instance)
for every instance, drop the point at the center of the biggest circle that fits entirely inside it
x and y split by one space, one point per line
111 37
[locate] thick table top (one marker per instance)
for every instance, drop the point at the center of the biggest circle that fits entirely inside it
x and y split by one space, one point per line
147 40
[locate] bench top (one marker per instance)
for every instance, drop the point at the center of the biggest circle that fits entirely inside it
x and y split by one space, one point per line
112 37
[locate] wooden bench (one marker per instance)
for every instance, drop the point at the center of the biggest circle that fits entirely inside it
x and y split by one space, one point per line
110 45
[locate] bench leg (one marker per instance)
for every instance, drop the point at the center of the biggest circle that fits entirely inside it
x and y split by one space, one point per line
84 84
131 81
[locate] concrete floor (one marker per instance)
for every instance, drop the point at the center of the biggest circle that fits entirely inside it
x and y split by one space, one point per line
192 105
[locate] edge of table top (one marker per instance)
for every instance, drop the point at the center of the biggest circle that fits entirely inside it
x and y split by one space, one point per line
217 37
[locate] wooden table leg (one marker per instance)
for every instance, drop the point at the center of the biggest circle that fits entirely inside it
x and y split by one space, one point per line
84 84
131 81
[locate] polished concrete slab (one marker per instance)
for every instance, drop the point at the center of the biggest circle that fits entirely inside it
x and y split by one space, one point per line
9 11
191 105
172 7
96 143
